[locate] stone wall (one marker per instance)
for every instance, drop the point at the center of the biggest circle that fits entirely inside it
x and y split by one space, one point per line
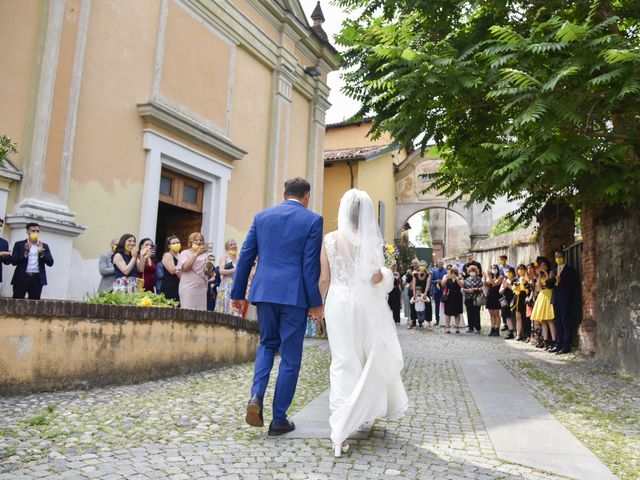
617 292
53 345
520 247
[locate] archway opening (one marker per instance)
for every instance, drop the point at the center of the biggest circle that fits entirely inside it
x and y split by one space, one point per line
438 232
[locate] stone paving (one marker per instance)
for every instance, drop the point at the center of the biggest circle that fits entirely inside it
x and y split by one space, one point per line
192 427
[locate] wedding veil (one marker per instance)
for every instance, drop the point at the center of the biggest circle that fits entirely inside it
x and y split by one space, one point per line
359 238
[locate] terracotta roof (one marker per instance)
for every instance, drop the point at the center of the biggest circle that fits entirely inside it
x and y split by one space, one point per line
357 153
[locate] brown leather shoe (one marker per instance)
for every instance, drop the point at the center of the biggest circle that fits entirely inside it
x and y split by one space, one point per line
254 412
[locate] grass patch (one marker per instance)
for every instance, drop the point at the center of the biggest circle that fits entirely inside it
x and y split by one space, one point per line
37 421
9 452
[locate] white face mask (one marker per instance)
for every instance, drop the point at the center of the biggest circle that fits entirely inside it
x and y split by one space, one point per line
472 274
494 271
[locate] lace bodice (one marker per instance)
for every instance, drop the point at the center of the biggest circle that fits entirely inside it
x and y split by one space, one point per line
342 272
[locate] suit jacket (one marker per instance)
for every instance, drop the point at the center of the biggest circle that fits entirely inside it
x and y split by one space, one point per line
20 261
107 272
4 247
566 287
287 239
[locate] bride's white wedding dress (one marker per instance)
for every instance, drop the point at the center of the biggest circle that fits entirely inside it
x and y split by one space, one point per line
366 359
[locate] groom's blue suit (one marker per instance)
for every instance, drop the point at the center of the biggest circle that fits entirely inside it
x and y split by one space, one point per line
287 239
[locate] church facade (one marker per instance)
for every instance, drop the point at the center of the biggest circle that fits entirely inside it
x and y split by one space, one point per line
154 117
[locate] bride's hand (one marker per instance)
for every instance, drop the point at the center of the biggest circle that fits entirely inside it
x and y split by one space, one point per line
377 277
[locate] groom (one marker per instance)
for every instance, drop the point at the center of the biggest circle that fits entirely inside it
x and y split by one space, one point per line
287 239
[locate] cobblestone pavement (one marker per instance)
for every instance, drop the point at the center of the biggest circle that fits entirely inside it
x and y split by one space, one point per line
192 427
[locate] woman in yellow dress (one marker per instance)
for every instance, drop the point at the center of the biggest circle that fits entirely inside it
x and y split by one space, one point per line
543 309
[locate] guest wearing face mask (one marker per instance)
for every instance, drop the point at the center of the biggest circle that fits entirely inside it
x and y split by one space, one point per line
125 262
493 281
228 264
170 281
472 287
5 254
106 268
506 299
192 270
543 309
30 257
564 299
395 295
522 290
437 274
421 279
471 261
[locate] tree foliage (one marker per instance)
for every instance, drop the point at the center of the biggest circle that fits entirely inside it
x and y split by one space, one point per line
533 100
425 234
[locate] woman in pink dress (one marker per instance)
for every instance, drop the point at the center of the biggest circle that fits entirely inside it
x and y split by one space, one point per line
192 268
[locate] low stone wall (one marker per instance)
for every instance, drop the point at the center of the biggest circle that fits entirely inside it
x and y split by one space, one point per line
52 345
520 247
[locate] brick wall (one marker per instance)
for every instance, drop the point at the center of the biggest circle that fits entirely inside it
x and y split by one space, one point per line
556 228
587 332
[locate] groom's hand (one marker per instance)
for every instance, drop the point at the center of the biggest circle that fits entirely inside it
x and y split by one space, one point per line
237 305
316 313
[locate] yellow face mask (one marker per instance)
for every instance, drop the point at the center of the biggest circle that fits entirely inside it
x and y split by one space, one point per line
560 261
233 251
521 272
510 275
195 247
34 237
175 247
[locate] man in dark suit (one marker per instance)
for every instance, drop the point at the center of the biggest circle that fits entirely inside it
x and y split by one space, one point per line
563 300
470 261
5 254
288 239
30 257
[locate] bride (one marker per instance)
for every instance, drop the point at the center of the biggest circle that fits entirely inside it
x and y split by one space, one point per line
366 358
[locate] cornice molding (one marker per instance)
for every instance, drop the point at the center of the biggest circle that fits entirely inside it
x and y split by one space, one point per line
160 113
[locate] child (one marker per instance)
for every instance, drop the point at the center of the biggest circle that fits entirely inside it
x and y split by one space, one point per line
419 300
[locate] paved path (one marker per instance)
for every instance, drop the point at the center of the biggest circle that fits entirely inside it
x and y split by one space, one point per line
191 426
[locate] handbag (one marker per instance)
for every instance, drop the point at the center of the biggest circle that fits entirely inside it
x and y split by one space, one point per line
503 302
480 299
445 295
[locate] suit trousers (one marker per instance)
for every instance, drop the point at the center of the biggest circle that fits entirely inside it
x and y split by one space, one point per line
30 286
282 329
564 327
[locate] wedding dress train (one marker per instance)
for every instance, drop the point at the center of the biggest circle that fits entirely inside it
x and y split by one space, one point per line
366 359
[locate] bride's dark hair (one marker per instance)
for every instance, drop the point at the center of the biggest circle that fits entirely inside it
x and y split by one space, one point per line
354 213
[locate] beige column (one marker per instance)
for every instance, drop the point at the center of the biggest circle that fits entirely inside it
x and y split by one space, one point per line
315 166
281 116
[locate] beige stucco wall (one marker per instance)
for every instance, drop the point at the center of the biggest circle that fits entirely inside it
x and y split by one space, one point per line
337 180
299 137
22 25
196 67
108 169
353 136
250 129
376 178
49 354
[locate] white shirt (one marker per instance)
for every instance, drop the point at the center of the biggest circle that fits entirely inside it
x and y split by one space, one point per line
32 262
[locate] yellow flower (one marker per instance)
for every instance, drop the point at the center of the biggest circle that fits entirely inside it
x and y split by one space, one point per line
391 249
145 302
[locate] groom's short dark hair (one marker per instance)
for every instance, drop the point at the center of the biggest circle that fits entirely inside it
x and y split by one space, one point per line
296 187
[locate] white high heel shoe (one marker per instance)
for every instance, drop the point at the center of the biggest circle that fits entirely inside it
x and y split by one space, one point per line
340 448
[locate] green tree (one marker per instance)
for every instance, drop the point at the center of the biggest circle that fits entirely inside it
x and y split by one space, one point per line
425 234
532 100
6 146
506 224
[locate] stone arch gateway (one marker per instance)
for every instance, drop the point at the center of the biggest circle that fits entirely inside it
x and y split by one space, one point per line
411 198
